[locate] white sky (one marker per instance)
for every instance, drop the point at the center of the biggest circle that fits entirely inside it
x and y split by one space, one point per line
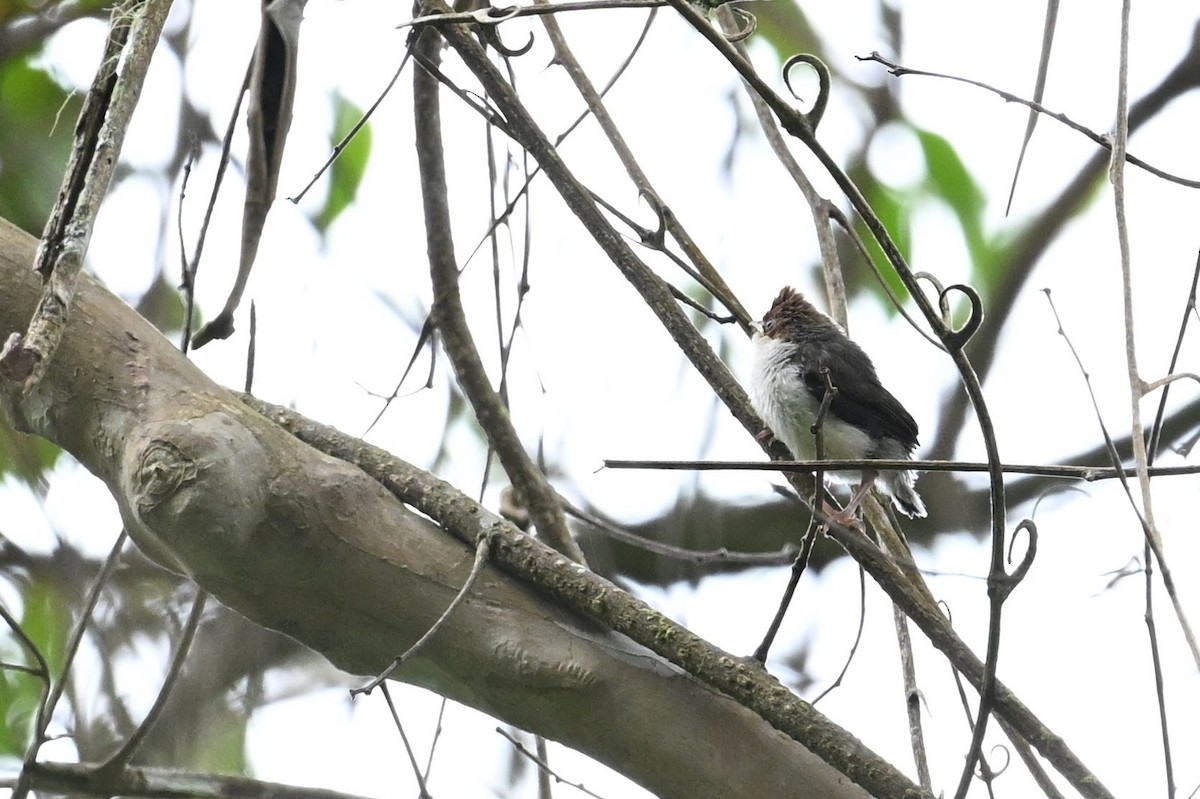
1073 650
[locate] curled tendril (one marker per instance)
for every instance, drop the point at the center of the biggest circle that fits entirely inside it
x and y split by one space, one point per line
491 33
747 25
943 302
949 614
1013 579
813 117
996 772
657 237
957 339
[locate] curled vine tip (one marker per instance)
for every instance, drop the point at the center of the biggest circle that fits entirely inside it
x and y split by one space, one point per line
1010 581
813 117
492 36
747 25
657 237
957 339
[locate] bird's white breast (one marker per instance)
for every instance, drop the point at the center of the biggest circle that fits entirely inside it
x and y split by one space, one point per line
784 402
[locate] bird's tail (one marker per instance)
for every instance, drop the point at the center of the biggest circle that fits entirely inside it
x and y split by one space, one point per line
905 496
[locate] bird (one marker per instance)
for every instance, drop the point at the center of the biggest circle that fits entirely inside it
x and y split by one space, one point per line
796 350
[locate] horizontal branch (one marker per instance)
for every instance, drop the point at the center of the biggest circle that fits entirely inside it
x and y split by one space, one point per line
1087 473
490 15
147 781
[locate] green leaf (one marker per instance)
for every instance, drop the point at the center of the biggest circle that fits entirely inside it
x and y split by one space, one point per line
47 622
26 457
20 694
163 305
949 180
894 209
39 120
347 171
785 27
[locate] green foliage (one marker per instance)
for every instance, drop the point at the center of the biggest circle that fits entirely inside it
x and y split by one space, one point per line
20 694
947 181
895 210
163 305
25 457
223 749
785 28
39 119
47 623
347 171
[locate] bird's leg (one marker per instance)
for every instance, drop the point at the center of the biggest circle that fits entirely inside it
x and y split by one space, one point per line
846 516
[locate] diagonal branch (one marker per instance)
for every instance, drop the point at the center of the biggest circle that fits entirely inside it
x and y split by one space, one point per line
133 34
451 322
658 299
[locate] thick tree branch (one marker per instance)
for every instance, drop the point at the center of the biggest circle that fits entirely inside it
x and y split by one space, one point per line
310 545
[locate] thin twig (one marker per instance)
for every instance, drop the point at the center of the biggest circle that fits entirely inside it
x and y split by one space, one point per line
862 623
340 147
120 759
42 672
188 278
448 314
81 625
481 553
704 272
912 698
251 349
492 16
1152 539
545 789
84 779
1151 454
1105 141
437 735
1088 474
412 757
985 772
542 766
1039 89
722 555
818 205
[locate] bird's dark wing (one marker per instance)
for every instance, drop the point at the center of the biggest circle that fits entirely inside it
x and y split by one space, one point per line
861 399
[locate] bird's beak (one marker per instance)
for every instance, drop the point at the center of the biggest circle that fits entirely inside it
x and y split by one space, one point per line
756 328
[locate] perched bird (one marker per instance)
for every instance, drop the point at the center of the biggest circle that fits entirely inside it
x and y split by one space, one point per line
792 346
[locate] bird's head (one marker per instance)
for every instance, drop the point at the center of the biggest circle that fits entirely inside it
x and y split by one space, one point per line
791 317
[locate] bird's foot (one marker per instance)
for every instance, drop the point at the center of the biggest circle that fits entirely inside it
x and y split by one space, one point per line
765 436
846 517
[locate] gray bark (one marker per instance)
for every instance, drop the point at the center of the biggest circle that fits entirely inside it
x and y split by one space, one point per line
309 545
